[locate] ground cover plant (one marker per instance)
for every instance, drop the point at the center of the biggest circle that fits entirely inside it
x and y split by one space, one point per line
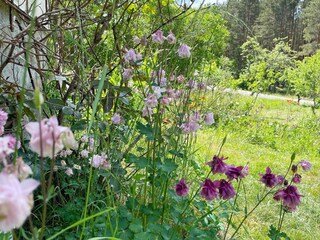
104 145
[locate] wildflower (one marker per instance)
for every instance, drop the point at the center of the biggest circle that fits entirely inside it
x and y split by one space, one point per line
202 86
184 51
196 117
69 140
19 169
69 171
289 196
136 40
181 188
226 191
180 78
84 139
16 200
132 56
305 165
147 111
127 74
158 37
51 137
191 84
84 153
3 117
296 178
105 165
5 149
218 165
165 101
171 38
63 163
189 127
151 101
209 189
116 118
158 91
208 118
75 166
269 179
12 142
281 180
96 161
233 172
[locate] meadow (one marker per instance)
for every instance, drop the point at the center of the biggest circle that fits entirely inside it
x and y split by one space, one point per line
265 133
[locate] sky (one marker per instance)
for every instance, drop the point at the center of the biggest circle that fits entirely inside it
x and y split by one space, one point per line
198 2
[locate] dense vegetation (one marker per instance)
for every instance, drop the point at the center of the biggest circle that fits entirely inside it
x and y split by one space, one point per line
126 92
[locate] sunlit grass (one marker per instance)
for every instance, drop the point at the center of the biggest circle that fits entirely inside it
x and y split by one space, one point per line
242 147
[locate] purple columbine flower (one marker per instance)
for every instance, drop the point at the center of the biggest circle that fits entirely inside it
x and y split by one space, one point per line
226 191
181 188
269 179
281 180
305 165
208 118
296 178
218 165
209 189
289 196
234 172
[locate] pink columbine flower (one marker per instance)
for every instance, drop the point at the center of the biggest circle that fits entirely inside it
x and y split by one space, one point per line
208 118
171 38
306 166
84 153
151 101
19 169
196 117
69 141
16 201
189 127
269 179
289 196
96 161
182 188
127 74
105 165
3 117
165 100
84 139
116 119
132 56
180 78
53 137
158 37
147 111
218 165
5 149
184 51
209 189
69 171
226 191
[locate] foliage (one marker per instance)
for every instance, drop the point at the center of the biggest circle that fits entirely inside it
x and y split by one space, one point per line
305 78
264 70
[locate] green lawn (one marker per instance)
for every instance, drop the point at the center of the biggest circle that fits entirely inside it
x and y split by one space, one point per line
267 135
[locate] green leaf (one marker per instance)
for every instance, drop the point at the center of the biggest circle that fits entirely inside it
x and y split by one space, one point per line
140 162
275 234
80 125
67 110
136 226
176 153
168 166
55 103
146 130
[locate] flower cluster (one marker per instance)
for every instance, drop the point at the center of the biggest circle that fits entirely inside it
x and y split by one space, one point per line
16 198
219 188
288 194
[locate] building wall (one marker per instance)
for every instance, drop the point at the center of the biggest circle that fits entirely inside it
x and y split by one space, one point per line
13 41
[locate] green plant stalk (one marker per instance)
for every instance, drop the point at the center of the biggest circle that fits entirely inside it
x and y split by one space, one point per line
81 222
231 215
